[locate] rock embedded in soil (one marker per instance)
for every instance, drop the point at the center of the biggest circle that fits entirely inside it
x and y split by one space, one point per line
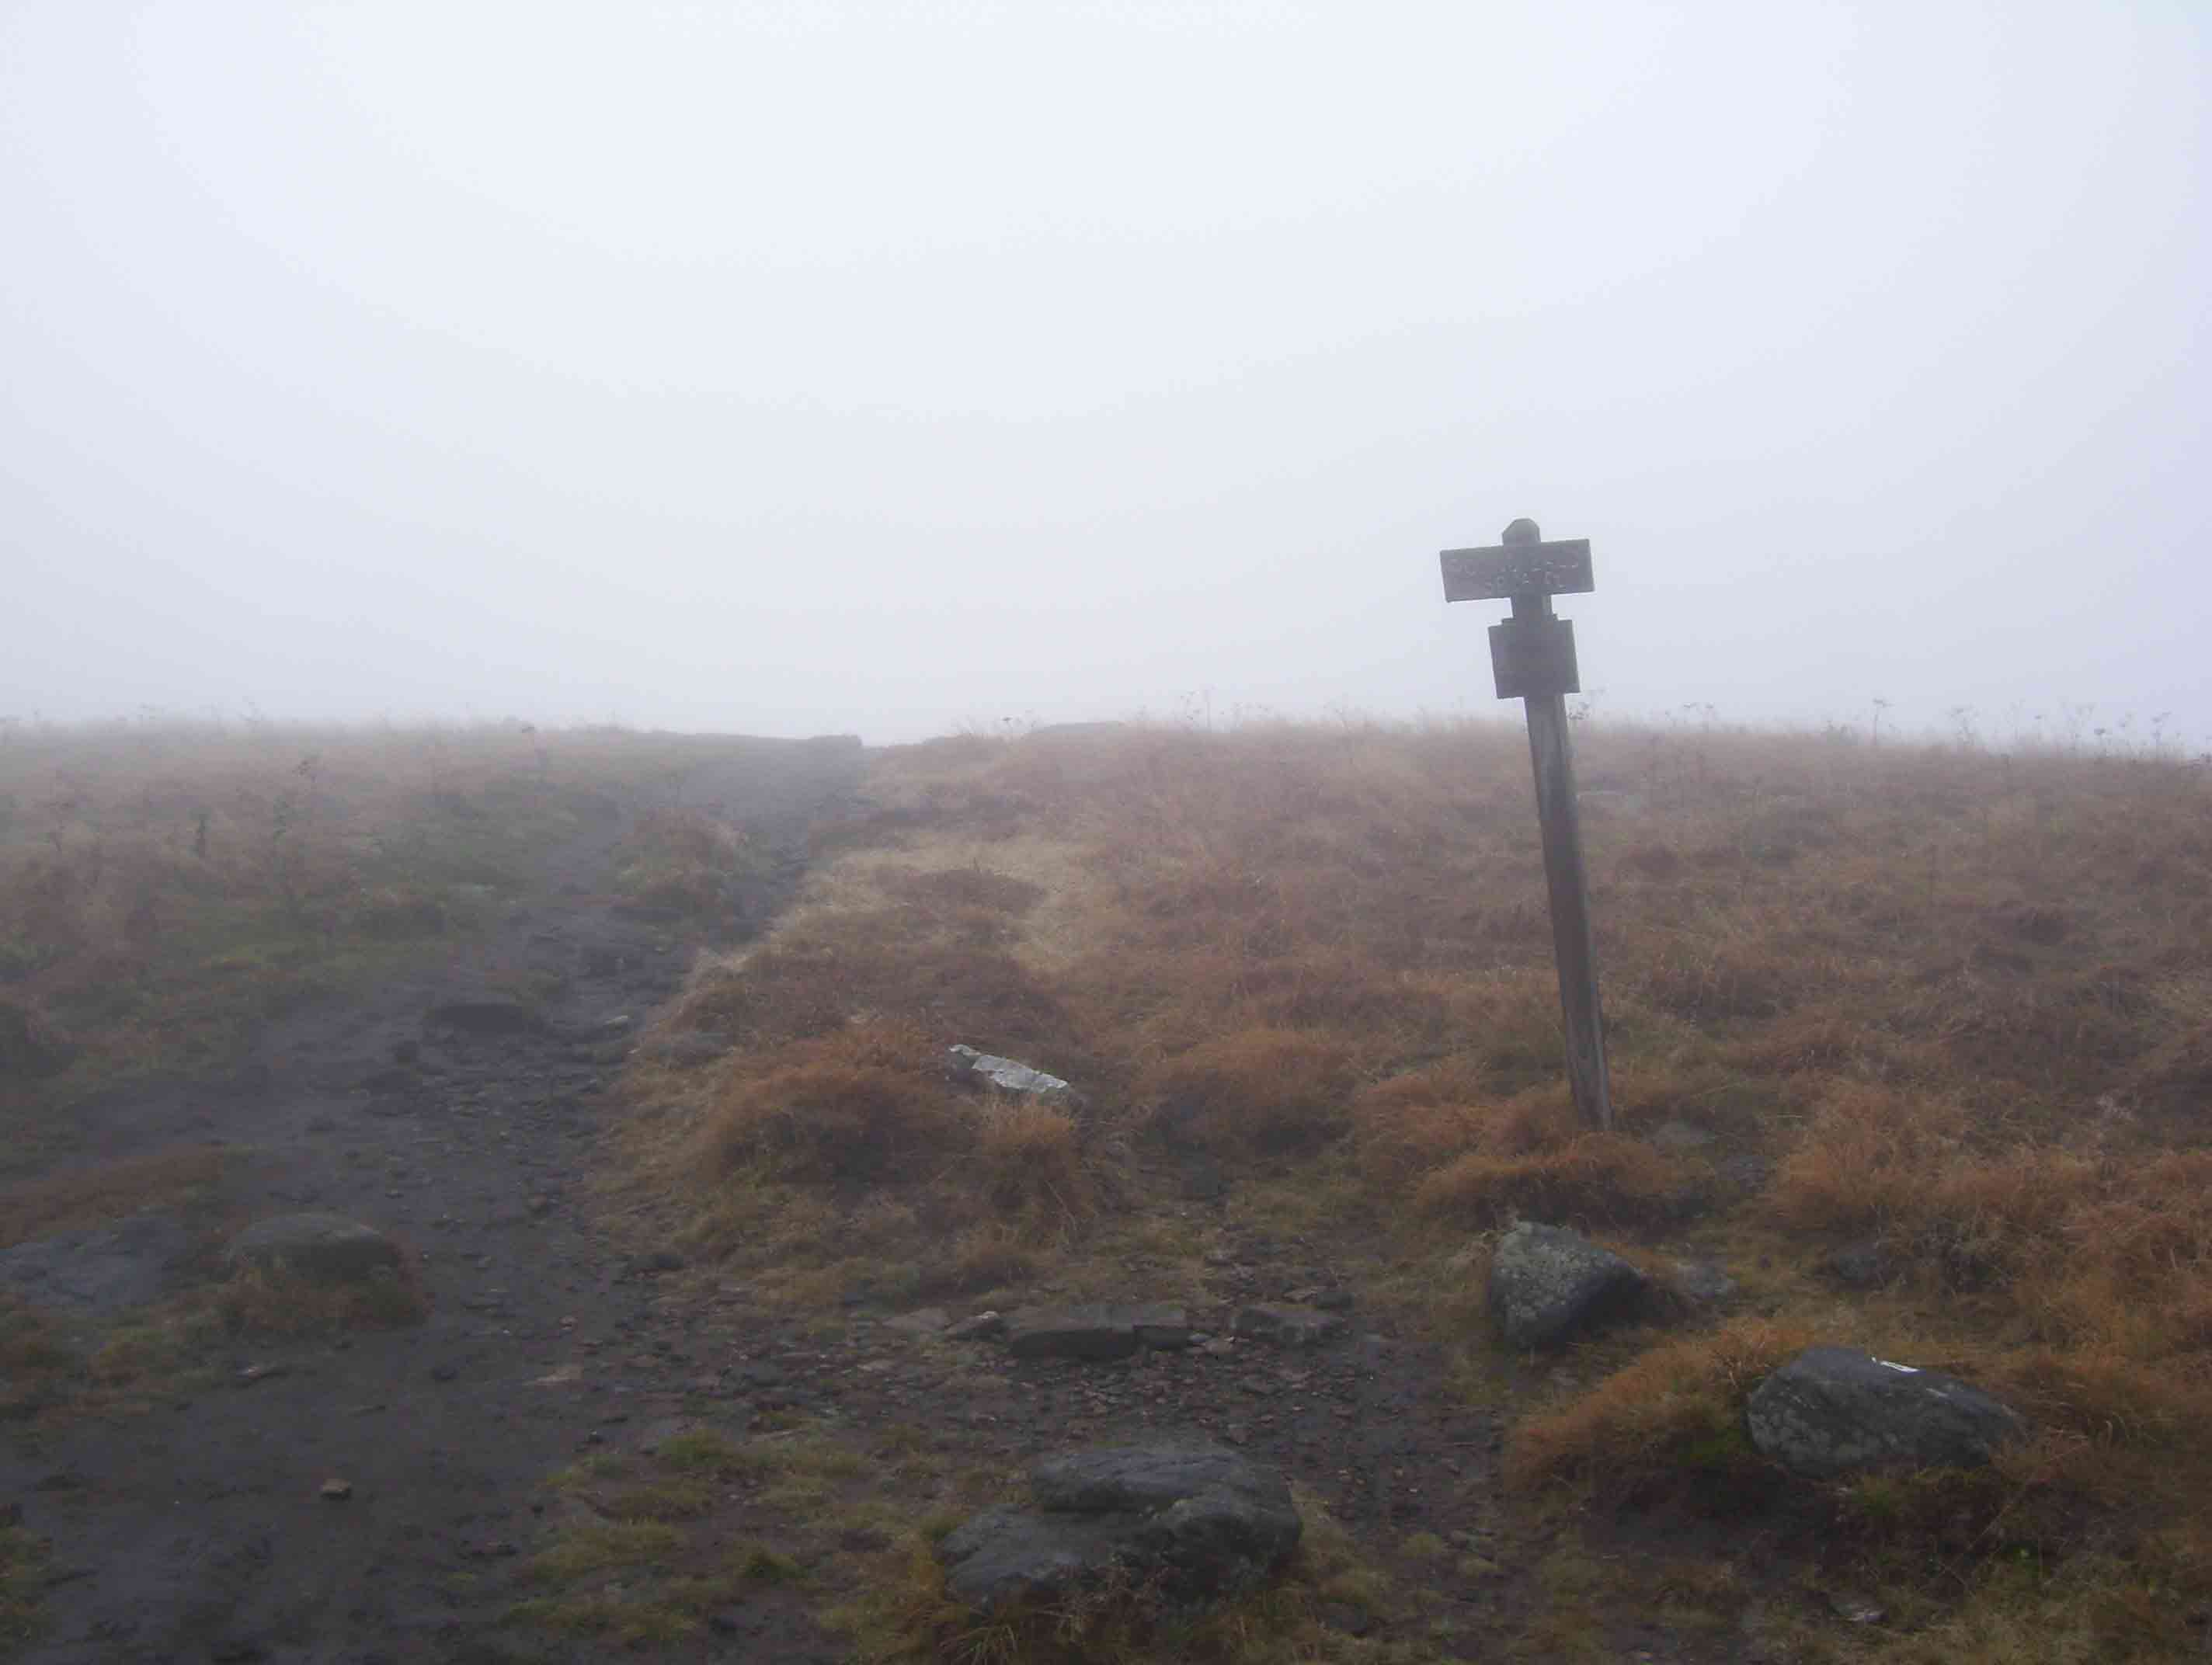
1288 1326
983 1327
324 1246
1102 1331
1549 1285
1191 1520
1006 1075
1835 1410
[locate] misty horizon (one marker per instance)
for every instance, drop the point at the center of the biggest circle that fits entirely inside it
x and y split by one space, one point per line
795 369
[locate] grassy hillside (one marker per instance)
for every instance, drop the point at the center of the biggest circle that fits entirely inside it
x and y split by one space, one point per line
166 888
1949 1007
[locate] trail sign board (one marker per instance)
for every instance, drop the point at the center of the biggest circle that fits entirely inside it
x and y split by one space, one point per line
1532 657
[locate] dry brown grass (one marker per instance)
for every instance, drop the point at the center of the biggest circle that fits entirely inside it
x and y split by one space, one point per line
1955 1001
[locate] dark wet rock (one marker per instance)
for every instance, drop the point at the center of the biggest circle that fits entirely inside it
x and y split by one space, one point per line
1287 1325
1833 1411
1189 1520
1548 1285
1860 1266
1006 1075
485 1016
1101 1331
328 1248
101 1270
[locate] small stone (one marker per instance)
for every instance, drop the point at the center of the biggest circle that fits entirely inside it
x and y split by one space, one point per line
337 1491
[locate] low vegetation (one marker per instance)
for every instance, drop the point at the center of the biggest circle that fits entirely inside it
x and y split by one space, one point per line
1949 1005
167 887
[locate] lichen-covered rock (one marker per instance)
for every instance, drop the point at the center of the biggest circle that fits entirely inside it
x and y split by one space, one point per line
1548 1285
1833 1411
327 1248
1189 1520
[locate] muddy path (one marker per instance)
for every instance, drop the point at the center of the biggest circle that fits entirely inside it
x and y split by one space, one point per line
199 1531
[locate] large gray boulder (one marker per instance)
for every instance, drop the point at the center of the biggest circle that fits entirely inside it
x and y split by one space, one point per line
1188 1519
326 1248
1833 1411
1548 1285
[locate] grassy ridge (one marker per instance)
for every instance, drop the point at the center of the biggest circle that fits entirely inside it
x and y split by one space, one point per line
1955 1001
165 889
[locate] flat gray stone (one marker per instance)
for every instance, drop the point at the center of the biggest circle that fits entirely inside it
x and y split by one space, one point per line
100 1270
328 1248
1833 1411
1006 1075
1548 1285
1287 1325
1191 1520
1103 1330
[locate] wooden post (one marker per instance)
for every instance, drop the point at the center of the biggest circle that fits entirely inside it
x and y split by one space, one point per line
1532 656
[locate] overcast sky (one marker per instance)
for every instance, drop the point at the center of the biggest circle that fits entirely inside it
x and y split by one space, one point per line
893 367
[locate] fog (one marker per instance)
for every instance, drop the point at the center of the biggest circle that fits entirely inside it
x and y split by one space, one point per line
898 367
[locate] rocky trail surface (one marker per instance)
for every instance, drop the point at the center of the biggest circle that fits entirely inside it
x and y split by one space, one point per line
438 1110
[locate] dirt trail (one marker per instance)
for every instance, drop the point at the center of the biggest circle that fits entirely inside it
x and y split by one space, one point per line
197 1532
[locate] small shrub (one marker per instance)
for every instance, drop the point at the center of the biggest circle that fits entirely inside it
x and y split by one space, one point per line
869 1103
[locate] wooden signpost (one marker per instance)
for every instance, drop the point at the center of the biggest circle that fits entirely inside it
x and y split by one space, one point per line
1533 656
